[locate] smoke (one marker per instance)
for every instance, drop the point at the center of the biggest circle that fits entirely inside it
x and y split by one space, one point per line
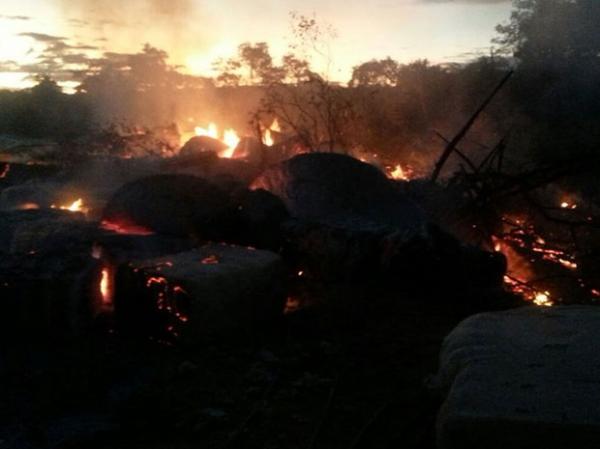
173 25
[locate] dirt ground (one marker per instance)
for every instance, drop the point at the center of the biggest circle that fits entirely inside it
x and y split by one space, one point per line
349 373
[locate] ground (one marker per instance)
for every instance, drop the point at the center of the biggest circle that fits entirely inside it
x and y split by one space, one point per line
348 374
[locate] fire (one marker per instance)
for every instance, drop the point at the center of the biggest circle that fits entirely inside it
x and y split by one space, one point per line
275 126
268 134
523 248
75 206
542 299
105 290
5 171
268 138
568 205
398 173
211 131
229 138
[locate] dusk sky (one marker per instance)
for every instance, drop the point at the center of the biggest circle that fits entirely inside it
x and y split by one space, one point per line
197 32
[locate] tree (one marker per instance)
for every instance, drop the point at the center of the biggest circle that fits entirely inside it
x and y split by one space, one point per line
553 33
377 72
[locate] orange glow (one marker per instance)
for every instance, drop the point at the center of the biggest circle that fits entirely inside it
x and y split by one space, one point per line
398 173
291 305
125 228
5 171
268 134
543 299
28 206
211 131
568 205
229 138
210 260
75 206
105 289
275 126
268 138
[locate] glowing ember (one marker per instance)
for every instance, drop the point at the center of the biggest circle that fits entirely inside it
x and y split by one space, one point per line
291 305
542 299
28 206
125 228
105 286
5 171
210 260
96 251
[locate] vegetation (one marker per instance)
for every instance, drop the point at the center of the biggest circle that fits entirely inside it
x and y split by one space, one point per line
550 108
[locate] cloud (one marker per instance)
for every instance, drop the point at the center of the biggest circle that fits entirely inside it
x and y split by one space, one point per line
23 18
41 37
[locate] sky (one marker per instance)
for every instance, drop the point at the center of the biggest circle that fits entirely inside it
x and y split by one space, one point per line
197 32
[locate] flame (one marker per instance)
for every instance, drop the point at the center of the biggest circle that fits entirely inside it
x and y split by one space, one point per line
231 139
520 238
398 173
5 171
75 206
568 205
275 126
211 131
268 138
105 290
268 134
543 299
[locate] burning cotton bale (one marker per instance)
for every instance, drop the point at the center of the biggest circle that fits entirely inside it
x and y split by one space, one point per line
257 217
521 379
49 280
337 190
342 210
225 172
28 196
179 205
198 145
217 289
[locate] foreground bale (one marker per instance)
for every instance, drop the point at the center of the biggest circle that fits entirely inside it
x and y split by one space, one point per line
523 378
180 205
217 289
48 277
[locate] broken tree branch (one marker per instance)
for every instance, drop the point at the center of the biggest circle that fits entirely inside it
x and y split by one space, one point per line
450 147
